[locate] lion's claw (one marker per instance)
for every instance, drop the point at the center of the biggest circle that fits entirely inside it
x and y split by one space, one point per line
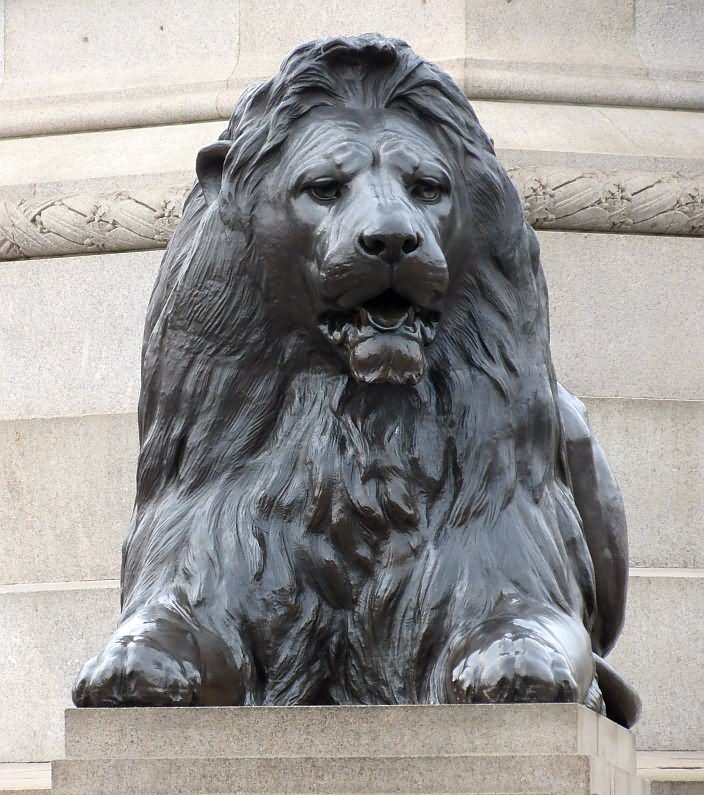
514 669
131 672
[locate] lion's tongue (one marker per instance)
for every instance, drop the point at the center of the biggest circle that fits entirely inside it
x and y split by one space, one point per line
386 313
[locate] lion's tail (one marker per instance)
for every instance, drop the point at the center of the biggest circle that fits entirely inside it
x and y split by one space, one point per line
623 704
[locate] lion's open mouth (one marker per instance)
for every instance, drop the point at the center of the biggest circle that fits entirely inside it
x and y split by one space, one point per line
384 338
388 312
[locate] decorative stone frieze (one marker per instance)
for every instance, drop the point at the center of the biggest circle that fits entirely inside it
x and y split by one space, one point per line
594 201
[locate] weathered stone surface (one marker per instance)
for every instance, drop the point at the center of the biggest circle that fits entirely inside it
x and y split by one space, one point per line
191 57
109 153
70 332
672 773
655 448
661 652
173 42
625 314
46 635
27 779
265 732
66 493
563 774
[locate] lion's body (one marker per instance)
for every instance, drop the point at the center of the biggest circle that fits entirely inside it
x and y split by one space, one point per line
325 540
403 516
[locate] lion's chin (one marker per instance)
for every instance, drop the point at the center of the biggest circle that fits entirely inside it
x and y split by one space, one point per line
387 358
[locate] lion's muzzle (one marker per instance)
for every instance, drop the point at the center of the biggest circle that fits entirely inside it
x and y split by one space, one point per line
382 275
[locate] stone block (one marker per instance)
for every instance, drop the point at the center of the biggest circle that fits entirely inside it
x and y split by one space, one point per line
71 333
46 636
153 41
672 773
670 35
340 732
655 448
564 774
25 779
625 314
541 33
66 494
269 31
661 652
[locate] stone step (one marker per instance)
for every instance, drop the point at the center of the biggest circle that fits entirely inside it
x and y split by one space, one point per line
559 774
673 772
339 732
20 778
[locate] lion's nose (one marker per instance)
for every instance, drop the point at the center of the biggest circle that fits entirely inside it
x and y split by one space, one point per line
389 245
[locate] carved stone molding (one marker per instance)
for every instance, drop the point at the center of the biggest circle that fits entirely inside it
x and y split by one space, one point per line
593 201
597 201
82 223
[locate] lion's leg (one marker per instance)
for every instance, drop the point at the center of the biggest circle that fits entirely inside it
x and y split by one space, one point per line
161 655
526 653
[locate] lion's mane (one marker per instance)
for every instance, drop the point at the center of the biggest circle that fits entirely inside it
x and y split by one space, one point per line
247 443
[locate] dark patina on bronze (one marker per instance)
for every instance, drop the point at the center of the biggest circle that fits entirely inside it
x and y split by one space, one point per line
359 481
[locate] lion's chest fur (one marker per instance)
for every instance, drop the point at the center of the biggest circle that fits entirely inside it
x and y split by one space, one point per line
362 484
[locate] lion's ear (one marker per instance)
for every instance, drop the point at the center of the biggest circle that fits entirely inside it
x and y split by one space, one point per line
209 165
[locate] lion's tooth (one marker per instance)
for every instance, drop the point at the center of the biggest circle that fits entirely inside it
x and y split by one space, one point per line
427 332
363 316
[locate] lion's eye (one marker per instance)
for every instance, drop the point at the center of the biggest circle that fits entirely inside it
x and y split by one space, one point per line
325 190
427 190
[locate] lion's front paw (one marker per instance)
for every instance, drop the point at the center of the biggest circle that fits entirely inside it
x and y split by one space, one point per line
134 671
514 669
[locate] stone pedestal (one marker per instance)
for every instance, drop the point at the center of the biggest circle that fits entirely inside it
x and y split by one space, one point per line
561 749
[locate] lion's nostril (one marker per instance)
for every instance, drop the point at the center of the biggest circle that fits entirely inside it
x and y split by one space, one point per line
410 244
372 244
389 246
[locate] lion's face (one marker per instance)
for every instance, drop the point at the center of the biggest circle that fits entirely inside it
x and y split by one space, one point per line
352 224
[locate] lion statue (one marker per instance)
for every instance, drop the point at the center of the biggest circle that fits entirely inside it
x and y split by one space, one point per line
359 481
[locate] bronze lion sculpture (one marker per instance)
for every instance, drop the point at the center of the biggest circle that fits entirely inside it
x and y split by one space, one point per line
359 481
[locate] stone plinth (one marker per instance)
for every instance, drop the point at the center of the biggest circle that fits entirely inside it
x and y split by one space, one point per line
562 749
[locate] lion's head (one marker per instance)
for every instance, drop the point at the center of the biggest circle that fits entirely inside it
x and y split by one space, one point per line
359 196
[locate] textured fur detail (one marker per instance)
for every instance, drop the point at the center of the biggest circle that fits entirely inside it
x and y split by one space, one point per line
344 540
